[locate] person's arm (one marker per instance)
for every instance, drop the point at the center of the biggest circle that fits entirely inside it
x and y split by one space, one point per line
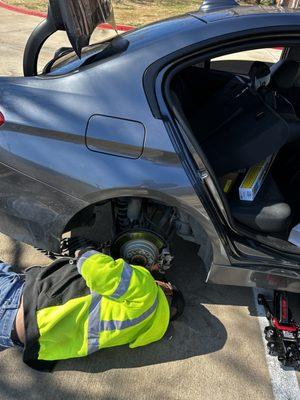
104 275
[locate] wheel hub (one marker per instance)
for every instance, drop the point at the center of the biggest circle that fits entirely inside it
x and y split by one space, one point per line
138 247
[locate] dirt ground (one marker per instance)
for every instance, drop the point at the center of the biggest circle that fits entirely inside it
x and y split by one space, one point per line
131 12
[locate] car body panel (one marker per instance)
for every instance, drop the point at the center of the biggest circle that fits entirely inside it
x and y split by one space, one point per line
43 149
115 136
255 276
33 212
46 141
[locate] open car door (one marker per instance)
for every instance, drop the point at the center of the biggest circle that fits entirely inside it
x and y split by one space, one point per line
78 18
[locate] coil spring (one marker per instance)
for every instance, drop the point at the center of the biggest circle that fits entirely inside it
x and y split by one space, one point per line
49 254
122 219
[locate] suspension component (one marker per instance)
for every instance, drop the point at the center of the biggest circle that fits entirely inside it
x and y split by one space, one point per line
283 333
142 247
68 246
165 260
122 221
49 254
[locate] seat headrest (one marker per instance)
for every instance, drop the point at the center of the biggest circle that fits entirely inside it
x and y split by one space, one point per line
260 75
287 75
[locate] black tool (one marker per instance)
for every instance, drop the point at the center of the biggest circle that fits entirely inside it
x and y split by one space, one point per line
283 333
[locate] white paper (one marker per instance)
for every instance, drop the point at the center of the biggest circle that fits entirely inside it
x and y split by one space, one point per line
295 235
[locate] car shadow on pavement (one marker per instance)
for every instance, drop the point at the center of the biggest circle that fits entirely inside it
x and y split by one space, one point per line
197 333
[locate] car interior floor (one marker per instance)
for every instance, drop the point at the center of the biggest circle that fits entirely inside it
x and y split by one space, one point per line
243 123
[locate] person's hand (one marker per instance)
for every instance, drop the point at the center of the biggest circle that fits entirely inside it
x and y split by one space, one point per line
77 253
154 268
82 250
166 287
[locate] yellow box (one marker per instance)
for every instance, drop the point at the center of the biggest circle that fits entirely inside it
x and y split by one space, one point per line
254 179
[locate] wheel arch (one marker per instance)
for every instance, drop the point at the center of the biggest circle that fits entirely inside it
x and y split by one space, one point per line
193 225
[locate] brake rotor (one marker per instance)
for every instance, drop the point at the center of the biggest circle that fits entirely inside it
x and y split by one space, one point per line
138 247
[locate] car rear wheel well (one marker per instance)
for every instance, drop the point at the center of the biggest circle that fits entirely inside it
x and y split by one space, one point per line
101 222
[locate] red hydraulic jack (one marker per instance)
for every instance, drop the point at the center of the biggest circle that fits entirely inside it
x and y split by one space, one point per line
283 333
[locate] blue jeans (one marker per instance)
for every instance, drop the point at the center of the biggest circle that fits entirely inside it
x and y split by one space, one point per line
11 290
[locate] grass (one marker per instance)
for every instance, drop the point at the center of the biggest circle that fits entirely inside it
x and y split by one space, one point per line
131 12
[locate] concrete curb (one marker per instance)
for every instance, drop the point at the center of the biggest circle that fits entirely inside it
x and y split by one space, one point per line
26 11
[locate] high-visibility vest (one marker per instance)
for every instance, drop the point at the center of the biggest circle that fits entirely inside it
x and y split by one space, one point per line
121 304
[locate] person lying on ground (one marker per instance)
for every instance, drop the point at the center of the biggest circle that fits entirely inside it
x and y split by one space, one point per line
73 308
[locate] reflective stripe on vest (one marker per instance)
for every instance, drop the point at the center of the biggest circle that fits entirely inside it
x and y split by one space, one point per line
124 282
125 278
84 257
128 323
96 325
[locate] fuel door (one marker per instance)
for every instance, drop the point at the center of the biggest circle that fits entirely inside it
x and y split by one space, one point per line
115 136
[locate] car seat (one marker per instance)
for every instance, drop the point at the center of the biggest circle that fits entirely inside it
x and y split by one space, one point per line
268 213
286 81
236 129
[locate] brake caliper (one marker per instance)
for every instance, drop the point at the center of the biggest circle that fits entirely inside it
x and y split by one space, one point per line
283 333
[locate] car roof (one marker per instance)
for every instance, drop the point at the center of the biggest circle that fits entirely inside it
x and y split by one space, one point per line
157 40
239 11
196 26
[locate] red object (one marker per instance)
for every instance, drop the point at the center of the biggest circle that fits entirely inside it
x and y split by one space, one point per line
284 309
22 10
26 11
2 119
123 28
283 327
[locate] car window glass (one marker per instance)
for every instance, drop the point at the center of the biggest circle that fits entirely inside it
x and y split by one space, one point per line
239 63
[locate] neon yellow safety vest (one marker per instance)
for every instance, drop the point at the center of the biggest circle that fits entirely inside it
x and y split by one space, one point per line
72 311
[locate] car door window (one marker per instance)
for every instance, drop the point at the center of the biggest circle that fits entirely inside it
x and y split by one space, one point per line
240 63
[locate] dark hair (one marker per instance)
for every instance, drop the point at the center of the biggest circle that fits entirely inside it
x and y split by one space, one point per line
177 302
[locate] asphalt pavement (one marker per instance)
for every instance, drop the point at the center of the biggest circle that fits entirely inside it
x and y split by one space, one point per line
215 351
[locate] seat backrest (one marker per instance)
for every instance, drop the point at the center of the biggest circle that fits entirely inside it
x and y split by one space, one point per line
287 75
